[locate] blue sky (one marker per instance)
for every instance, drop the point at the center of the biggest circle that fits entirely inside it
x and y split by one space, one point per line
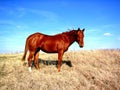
20 18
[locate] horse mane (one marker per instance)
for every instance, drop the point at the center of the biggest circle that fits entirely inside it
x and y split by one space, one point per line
70 32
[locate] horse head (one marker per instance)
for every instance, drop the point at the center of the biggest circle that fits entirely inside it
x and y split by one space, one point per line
80 37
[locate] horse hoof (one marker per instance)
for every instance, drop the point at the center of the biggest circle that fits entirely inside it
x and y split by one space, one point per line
58 70
30 70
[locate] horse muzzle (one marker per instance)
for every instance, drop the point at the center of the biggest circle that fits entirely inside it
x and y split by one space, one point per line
81 46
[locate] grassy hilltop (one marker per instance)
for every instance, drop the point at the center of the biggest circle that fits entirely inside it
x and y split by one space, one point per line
81 70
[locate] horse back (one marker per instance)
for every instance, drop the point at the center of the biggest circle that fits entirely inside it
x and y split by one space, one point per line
47 43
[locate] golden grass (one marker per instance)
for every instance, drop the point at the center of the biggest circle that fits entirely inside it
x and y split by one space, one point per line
91 70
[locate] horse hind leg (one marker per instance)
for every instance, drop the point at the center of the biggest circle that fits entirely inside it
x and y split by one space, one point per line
36 57
30 60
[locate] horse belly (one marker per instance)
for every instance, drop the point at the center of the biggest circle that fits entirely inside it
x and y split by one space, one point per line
49 47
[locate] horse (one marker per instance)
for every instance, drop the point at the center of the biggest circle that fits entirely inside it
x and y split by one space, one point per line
58 43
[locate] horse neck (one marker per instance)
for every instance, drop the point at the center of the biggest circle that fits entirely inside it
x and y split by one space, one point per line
72 37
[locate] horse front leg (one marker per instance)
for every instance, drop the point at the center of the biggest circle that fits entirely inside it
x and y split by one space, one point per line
60 55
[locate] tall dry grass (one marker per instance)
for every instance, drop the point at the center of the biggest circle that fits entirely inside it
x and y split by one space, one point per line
91 70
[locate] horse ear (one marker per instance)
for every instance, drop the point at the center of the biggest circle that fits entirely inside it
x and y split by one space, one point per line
78 28
83 30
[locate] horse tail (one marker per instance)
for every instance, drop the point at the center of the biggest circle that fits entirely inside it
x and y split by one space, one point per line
25 51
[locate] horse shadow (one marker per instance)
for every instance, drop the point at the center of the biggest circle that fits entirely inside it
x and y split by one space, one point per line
52 62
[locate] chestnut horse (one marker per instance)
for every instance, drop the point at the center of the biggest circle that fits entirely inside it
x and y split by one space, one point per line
58 43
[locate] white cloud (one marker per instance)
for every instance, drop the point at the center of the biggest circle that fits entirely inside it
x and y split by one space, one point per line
17 12
119 38
6 22
20 12
92 30
48 14
107 34
18 26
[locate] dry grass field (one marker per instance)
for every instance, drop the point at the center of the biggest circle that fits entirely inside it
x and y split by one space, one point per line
81 70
